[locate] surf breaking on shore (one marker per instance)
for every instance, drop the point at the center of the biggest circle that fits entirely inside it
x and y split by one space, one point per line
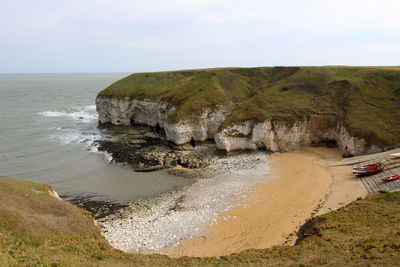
178 223
80 128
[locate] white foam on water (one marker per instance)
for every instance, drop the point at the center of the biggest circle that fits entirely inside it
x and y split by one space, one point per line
90 107
53 114
157 227
84 114
74 136
82 131
95 149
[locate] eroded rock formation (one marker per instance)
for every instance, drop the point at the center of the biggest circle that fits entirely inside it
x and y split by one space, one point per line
274 135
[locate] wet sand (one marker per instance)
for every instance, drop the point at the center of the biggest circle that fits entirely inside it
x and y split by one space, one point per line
149 226
345 187
300 186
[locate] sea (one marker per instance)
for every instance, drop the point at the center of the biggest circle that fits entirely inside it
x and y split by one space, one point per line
48 134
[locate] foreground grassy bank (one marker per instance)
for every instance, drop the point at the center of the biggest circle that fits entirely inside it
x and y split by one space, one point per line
365 99
37 229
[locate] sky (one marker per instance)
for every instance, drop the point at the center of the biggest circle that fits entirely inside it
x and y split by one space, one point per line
52 36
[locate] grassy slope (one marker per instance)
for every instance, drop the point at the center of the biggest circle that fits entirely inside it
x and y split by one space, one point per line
367 99
367 232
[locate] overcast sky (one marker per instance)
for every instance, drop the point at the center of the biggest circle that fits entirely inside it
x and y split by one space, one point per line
151 35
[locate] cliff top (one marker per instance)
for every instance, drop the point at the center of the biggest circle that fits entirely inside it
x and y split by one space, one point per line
367 99
39 230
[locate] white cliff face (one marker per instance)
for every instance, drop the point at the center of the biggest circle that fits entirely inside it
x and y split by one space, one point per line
124 111
201 128
152 113
282 136
272 135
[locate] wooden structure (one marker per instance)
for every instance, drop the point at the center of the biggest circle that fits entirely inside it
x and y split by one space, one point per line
374 183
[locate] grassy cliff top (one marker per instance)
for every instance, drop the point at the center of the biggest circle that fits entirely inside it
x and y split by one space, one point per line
367 99
39 230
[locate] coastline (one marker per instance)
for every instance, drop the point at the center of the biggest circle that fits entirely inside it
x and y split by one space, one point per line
50 231
159 223
275 209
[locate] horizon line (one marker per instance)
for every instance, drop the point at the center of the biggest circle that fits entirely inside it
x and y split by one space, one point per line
204 68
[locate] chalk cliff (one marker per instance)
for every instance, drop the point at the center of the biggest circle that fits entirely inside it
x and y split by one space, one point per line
277 108
156 114
274 135
283 136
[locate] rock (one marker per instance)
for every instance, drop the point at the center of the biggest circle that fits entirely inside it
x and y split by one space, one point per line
98 209
163 221
145 154
273 135
282 136
127 111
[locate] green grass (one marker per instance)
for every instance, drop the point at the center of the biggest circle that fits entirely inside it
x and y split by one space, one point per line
365 99
193 90
366 233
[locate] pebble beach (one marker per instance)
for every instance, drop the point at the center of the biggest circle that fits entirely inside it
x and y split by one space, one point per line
256 201
154 225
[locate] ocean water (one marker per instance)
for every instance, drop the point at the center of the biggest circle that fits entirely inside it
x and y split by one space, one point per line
48 129
48 134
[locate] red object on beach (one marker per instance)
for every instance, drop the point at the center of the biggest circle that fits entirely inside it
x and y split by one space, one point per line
368 169
391 178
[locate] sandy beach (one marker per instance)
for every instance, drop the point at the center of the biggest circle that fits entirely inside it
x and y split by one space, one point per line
300 186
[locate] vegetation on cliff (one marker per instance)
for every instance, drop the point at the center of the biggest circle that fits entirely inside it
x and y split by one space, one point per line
37 229
365 99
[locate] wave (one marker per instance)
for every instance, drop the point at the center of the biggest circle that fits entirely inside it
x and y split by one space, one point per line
90 107
85 114
82 129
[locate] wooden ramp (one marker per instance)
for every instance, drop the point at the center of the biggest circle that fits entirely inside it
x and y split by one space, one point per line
373 183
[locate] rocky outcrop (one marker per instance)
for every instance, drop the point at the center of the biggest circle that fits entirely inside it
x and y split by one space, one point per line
124 111
273 135
282 136
128 111
144 154
53 193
